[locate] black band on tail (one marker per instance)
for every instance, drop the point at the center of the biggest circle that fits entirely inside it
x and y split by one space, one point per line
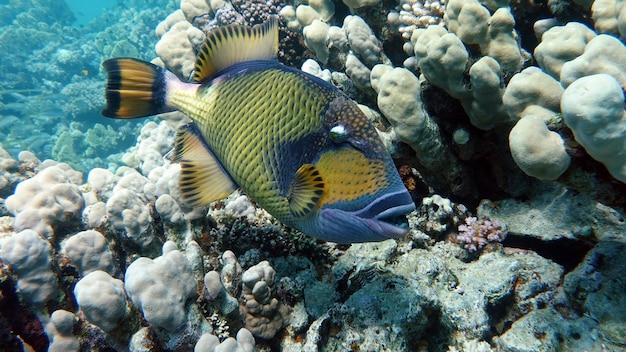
135 88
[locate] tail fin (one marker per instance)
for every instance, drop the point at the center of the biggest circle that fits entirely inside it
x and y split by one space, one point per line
135 89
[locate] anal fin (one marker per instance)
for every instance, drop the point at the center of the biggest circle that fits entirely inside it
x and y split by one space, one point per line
306 190
202 178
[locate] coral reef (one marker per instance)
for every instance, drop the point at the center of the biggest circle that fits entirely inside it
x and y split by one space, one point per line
101 299
507 119
263 313
49 199
89 251
211 343
452 297
51 71
593 107
29 256
161 287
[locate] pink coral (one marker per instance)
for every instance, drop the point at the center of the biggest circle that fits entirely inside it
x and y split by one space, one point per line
475 234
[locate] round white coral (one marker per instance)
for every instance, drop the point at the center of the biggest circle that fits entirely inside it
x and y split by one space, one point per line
593 107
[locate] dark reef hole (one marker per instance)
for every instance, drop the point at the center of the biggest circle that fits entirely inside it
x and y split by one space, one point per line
487 164
526 13
500 313
16 320
435 337
341 11
564 251
448 111
390 47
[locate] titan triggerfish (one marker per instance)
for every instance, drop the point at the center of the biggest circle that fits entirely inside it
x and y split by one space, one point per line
295 144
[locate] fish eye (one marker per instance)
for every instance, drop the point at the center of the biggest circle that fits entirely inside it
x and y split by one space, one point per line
338 134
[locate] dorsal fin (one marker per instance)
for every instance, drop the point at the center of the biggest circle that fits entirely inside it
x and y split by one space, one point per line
228 45
202 178
306 190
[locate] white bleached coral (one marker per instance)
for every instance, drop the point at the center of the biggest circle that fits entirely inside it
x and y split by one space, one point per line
315 38
163 186
89 251
534 95
561 44
365 50
532 92
354 45
29 255
593 64
97 191
161 287
47 199
217 294
194 8
443 60
311 67
127 209
603 54
102 299
168 209
175 47
399 100
538 151
363 42
7 166
493 33
129 193
100 183
95 215
307 12
59 330
416 14
153 143
608 16
593 107
211 343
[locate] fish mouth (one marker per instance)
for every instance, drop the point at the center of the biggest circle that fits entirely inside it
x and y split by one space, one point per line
387 214
388 207
380 220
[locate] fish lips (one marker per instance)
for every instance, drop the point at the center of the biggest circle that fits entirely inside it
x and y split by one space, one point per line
382 219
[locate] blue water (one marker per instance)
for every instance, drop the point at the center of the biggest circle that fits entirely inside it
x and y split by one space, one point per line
86 11
52 87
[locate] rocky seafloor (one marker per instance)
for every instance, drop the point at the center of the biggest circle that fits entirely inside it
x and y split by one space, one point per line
517 243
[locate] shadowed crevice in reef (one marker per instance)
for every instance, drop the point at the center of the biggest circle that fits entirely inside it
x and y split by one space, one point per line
564 251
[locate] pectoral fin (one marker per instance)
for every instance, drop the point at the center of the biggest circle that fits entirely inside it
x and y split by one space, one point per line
306 190
202 178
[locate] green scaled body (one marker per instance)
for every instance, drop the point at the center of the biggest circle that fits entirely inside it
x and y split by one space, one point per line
250 121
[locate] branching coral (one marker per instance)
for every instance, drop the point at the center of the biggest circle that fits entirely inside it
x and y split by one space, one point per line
475 233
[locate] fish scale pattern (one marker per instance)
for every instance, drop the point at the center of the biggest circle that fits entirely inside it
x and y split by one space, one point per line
258 111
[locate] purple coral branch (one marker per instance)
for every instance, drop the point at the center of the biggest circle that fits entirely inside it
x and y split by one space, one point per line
475 234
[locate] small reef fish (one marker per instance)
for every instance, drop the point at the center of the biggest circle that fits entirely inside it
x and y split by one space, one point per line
298 146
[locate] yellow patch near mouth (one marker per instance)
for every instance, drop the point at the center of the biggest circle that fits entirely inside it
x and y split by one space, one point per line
349 175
